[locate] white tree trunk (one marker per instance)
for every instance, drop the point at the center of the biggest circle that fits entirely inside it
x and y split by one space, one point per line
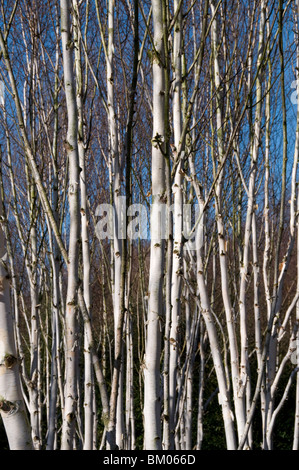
296 421
178 225
88 373
119 426
223 397
12 407
55 350
69 421
238 382
152 404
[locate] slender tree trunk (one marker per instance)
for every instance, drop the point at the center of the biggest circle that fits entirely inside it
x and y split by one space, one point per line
276 293
152 404
168 274
236 381
35 331
116 424
250 220
55 258
178 224
296 421
69 418
12 406
223 397
88 375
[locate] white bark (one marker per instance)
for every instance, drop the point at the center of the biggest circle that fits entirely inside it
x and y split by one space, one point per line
55 379
71 145
12 407
296 420
250 220
238 381
178 225
296 156
116 427
88 374
152 405
223 397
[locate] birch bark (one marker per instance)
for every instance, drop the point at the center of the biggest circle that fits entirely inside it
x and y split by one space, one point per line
296 423
55 261
69 420
116 423
238 400
152 405
177 221
249 226
12 406
206 310
88 375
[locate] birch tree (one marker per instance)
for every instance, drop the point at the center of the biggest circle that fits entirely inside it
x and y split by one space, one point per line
71 144
12 405
177 220
151 369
